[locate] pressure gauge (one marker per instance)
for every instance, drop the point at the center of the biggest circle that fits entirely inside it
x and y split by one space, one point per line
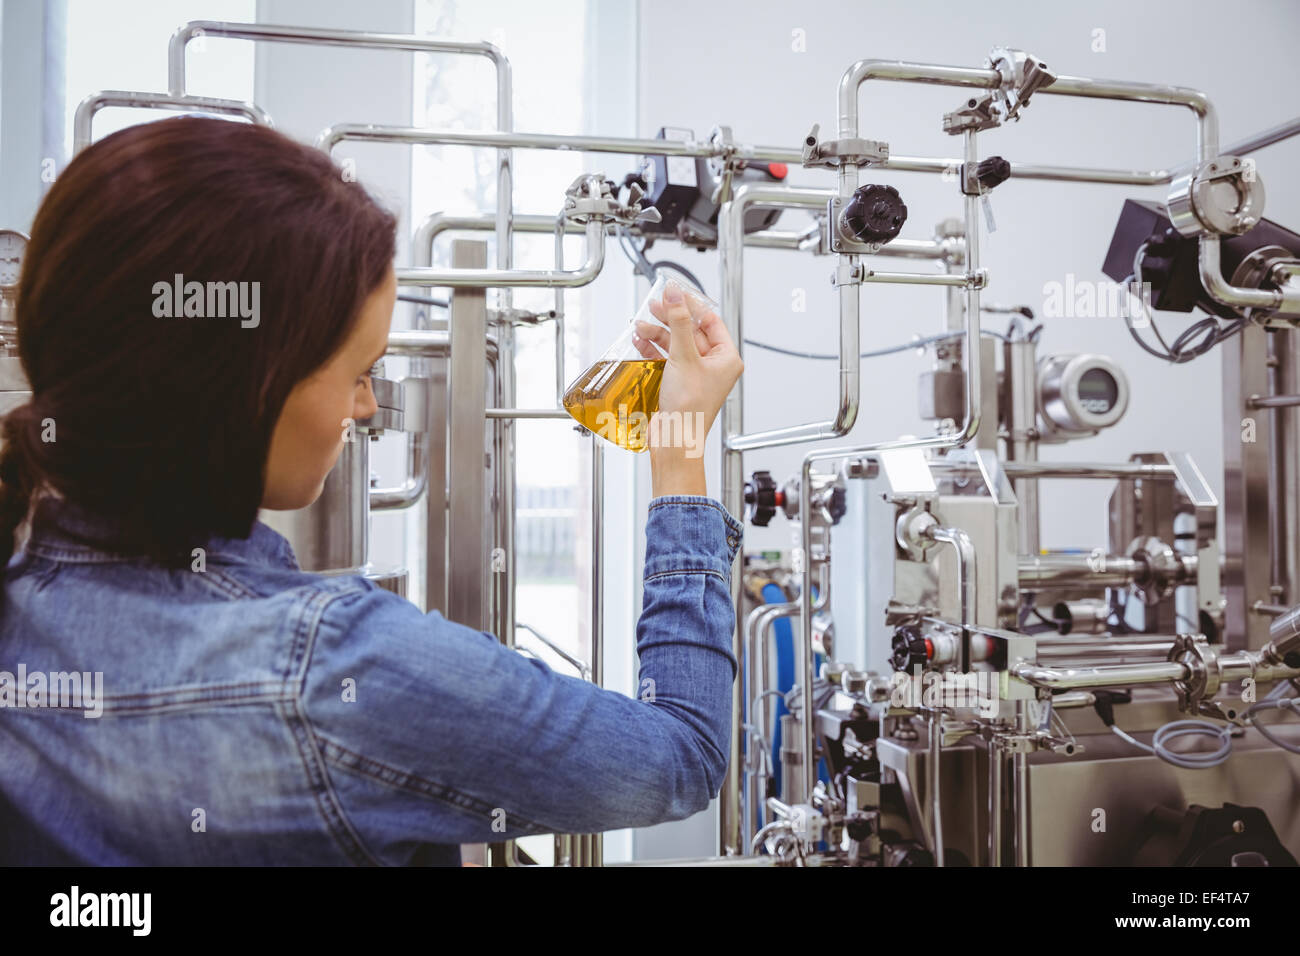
13 244
1080 393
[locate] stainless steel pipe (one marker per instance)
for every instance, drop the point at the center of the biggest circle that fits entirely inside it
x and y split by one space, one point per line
1047 571
1099 675
84 118
968 429
503 278
1062 469
332 135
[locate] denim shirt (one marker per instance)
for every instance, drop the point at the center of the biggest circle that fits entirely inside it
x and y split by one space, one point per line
253 713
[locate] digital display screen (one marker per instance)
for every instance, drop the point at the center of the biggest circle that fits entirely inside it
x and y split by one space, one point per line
1098 391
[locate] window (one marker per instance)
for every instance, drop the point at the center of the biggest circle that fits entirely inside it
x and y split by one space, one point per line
548 48
459 92
123 46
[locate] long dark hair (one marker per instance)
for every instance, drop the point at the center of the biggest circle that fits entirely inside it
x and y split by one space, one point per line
162 425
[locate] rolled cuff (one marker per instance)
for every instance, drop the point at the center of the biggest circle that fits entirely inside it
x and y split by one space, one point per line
690 533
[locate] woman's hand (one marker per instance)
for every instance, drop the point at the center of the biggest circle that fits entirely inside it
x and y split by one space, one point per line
703 364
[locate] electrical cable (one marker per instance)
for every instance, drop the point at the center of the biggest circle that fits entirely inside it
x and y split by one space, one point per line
640 264
644 267
1274 703
1281 689
1199 760
1209 329
674 267
1104 704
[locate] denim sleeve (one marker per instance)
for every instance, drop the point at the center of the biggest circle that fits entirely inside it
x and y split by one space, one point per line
432 731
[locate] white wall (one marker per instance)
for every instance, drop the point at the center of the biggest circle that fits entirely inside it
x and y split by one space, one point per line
31 59
734 63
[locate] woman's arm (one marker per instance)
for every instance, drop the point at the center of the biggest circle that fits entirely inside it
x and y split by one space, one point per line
673 473
453 738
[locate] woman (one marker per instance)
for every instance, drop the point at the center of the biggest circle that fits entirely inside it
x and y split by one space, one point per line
234 709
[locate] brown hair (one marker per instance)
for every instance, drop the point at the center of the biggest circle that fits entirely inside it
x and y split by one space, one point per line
163 425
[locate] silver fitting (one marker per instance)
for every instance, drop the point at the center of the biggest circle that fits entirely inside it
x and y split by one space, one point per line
1022 75
1223 196
861 152
913 531
1200 658
590 197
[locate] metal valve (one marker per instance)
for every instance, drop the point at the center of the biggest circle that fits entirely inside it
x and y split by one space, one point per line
910 649
762 498
875 214
989 173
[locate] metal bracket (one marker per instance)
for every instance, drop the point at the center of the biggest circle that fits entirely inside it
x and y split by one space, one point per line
829 155
897 613
1022 75
975 114
1202 662
591 196
726 163
847 274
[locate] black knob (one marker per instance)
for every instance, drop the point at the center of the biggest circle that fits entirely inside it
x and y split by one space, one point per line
910 648
836 506
875 213
760 498
992 172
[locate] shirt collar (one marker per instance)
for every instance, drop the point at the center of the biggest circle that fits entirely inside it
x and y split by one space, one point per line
59 526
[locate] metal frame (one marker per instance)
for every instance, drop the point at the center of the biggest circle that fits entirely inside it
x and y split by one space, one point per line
736 444
84 117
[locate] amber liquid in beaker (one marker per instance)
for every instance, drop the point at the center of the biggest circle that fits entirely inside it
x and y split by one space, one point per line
616 399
